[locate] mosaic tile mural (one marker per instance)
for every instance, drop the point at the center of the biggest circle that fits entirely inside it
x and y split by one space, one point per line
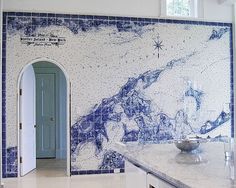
133 79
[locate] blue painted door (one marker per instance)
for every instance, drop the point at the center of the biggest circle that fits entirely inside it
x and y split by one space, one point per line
45 116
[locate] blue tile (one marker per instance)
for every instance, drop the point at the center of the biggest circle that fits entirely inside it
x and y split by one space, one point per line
4 52
11 175
162 20
228 24
35 21
187 22
105 22
155 20
4 162
112 22
126 18
105 171
82 172
182 21
98 172
28 14
59 15
66 16
119 18
200 23
10 20
43 22
4 112
147 19
141 19
11 13
4 119
12 160
91 172
51 15
4 104
83 16
74 173
43 14
4 21
3 69
4 141
90 17
97 23
122 170
134 19
175 21
112 18
101 17
4 158
67 20
3 155
142 23
51 21
74 16
4 98
4 168
214 23
19 13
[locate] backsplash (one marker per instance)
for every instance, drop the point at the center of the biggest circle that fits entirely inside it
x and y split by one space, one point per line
133 79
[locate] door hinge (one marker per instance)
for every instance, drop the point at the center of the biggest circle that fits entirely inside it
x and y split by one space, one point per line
34 126
20 125
20 91
20 159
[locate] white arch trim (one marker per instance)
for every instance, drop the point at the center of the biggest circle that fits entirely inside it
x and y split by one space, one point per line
68 100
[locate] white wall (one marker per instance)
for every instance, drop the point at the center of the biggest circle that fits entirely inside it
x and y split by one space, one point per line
215 11
211 9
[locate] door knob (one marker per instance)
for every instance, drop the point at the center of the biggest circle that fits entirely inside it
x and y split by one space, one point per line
51 119
35 126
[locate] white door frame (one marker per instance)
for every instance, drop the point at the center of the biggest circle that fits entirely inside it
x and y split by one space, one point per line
68 100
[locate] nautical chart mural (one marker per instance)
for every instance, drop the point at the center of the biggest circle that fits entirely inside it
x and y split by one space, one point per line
133 79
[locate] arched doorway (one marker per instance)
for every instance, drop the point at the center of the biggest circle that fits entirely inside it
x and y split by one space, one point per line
46 131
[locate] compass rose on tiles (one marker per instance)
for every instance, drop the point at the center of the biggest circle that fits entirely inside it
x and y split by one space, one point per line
158 45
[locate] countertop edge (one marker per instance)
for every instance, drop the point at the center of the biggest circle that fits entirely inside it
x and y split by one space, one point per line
158 174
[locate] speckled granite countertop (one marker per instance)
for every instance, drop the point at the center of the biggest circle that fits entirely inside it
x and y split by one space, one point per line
204 169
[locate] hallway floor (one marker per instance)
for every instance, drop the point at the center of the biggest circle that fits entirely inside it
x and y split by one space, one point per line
51 173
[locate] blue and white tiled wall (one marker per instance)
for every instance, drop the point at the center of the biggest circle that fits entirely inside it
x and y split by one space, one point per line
133 79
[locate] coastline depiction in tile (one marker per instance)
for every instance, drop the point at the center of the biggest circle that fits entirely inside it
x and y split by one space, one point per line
129 80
